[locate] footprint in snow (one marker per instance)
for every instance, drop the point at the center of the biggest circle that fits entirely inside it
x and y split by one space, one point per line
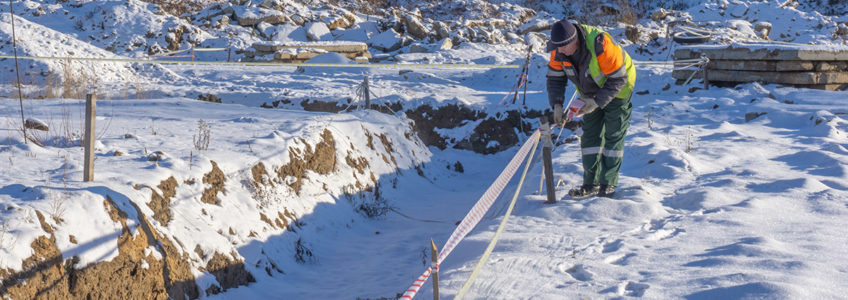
619 259
613 246
579 272
634 289
628 288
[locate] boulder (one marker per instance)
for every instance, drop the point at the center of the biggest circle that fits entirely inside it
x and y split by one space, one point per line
249 16
414 27
442 30
340 20
298 19
354 35
36 124
536 41
418 47
265 30
318 31
537 24
632 33
289 33
271 4
387 41
762 29
842 29
444 44
221 22
511 36
660 14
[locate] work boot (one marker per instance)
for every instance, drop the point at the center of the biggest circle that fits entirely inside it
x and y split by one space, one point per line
606 191
586 190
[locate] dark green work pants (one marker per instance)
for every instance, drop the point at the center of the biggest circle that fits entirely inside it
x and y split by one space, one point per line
602 143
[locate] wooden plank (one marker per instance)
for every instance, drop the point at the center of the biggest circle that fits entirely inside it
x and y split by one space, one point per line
762 65
826 66
737 53
339 48
835 79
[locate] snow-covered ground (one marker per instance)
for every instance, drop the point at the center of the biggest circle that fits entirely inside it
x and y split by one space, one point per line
732 192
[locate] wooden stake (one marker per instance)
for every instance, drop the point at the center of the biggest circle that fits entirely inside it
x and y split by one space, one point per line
367 92
435 269
18 71
88 142
547 147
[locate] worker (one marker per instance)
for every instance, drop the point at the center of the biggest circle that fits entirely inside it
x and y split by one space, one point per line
604 76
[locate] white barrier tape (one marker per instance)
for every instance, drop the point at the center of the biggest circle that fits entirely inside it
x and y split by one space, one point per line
272 64
479 209
477 212
501 227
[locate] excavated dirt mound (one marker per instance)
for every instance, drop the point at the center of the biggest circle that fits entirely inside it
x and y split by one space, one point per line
322 160
161 204
427 119
228 272
131 275
216 179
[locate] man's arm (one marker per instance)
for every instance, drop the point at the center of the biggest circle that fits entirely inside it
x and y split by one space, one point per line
556 81
611 61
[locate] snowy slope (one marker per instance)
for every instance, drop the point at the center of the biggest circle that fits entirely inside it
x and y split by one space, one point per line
732 192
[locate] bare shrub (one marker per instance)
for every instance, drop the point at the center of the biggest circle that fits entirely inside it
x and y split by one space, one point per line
303 254
369 202
627 13
201 139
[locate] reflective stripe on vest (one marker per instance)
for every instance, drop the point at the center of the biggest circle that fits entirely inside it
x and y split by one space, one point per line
627 68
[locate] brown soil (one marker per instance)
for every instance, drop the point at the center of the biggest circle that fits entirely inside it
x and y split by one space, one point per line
47 275
449 116
265 219
369 137
259 175
321 106
322 160
491 129
388 146
216 179
228 272
161 204
44 226
359 163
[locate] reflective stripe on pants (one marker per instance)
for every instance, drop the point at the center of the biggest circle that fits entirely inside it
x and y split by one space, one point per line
602 143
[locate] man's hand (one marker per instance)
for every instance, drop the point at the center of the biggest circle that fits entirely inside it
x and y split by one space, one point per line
557 114
588 108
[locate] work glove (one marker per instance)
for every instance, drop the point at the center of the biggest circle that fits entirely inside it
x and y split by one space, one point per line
558 114
581 106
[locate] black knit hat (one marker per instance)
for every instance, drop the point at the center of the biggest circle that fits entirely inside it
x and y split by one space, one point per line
562 33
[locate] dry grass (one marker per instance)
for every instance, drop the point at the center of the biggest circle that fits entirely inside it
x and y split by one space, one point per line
179 7
201 139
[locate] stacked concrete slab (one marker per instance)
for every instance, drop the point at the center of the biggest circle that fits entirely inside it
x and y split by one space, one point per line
301 52
808 67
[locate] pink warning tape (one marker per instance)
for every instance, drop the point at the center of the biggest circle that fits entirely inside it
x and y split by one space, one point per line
477 212
412 290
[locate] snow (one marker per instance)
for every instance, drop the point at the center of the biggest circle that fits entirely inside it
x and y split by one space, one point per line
710 206
329 58
318 31
388 40
287 33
